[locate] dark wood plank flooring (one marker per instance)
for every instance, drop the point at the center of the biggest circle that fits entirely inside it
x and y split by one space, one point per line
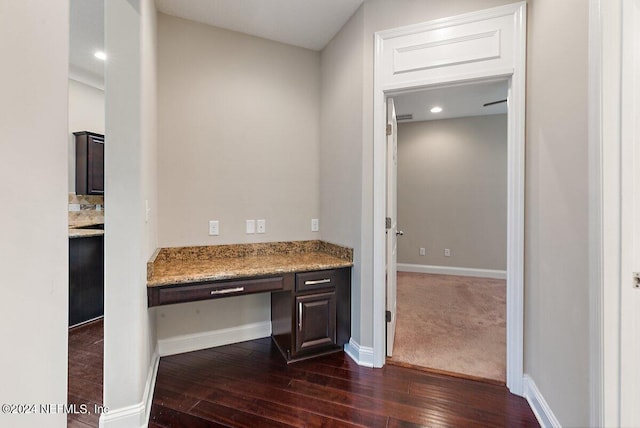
86 358
249 385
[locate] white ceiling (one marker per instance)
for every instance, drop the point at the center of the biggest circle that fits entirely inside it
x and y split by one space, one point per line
456 101
306 23
310 24
86 36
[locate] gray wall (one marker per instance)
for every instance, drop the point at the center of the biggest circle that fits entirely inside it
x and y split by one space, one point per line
556 199
239 133
341 163
452 192
556 310
130 180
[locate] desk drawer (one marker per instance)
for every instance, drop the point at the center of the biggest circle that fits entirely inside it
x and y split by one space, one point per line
315 280
213 290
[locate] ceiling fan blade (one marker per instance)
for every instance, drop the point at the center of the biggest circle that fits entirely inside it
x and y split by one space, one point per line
494 102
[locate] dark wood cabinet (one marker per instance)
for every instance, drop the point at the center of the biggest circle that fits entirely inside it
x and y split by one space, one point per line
310 311
315 317
316 321
89 163
86 279
212 290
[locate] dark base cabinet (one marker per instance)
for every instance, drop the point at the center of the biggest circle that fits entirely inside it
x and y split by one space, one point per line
315 317
86 279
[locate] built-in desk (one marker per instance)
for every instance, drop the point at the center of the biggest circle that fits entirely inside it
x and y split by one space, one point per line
309 282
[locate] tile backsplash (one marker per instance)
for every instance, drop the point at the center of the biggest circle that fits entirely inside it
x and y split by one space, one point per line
85 209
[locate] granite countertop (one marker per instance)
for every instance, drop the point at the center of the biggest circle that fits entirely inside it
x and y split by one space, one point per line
75 230
184 265
84 233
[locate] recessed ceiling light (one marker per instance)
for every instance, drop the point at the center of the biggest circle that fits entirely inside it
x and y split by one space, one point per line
436 109
100 55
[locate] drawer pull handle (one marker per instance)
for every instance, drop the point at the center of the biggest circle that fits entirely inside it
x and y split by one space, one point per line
228 290
318 281
300 316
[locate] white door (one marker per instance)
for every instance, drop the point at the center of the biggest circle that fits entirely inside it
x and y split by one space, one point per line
392 222
630 218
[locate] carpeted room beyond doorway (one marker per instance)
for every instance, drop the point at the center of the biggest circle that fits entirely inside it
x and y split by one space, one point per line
452 324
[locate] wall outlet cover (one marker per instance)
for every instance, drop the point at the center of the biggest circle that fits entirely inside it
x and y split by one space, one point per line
315 225
214 227
261 226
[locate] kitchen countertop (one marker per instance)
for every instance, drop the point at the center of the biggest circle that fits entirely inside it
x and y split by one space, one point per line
76 231
186 265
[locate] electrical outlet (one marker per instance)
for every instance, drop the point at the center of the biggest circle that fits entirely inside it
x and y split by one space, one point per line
315 224
447 252
423 251
214 227
261 226
251 227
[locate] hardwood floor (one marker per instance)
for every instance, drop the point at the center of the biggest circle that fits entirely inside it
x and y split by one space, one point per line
249 385
86 357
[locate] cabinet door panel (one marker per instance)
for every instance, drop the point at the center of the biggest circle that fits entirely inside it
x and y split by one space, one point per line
315 321
95 174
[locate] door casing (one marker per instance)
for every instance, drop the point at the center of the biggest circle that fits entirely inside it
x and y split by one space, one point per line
480 46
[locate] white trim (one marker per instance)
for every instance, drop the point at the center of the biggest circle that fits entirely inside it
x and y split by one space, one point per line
362 355
596 341
516 174
538 404
605 46
136 415
210 339
453 270
151 384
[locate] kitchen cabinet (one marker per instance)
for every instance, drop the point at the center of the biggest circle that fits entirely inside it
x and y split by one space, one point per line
86 279
315 317
89 163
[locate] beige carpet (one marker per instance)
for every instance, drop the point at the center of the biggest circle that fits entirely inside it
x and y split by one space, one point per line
453 324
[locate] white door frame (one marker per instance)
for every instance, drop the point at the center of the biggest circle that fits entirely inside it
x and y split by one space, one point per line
497 51
614 318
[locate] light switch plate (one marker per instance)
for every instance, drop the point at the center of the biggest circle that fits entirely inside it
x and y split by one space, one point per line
262 226
214 227
251 227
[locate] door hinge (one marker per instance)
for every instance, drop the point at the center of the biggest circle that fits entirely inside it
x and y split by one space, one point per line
636 280
387 316
389 129
387 223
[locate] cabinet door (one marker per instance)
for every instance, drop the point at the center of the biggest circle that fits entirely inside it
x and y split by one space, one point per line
95 173
315 321
86 279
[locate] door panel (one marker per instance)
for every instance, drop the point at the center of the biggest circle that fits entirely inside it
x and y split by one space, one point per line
392 214
315 320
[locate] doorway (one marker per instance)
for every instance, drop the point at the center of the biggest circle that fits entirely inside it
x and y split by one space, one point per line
480 46
452 212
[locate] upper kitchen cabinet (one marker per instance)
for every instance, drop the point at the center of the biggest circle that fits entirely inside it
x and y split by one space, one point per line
89 163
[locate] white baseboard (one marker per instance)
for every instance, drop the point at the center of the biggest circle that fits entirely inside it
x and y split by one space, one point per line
362 355
453 270
136 415
539 405
210 339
